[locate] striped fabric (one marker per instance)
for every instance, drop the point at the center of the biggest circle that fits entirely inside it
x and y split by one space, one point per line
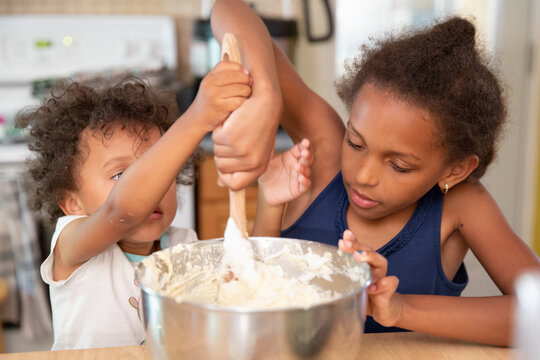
27 303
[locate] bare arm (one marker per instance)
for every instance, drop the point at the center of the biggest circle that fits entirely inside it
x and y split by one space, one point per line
487 233
245 143
134 197
307 115
470 210
486 320
267 220
144 183
475 214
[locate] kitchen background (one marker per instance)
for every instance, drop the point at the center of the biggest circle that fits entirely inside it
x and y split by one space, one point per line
168 43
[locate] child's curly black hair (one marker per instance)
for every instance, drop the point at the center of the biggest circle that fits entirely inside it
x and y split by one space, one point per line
55 129
442 70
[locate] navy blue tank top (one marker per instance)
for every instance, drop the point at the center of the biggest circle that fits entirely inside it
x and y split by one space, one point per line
414 254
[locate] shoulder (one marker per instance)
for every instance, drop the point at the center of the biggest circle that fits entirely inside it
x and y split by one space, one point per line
470 209
61 223
92 270
466 197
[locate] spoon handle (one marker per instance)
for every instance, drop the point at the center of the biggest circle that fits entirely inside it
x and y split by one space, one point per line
237 199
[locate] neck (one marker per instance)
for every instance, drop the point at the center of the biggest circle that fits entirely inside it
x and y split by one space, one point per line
377 232
146 248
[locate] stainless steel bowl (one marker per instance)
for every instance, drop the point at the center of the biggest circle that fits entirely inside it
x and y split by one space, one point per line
184 330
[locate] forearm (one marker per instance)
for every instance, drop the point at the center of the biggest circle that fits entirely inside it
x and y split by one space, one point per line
142 186
486 320
136 194
267 218
255 44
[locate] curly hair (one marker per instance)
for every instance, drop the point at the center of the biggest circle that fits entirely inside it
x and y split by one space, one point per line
440 69
56 125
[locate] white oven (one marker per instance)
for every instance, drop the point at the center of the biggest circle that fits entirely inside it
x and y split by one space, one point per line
36 50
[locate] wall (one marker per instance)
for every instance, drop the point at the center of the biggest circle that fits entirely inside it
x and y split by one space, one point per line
534 133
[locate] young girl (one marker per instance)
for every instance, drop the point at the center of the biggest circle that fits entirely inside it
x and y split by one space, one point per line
425 117
105 166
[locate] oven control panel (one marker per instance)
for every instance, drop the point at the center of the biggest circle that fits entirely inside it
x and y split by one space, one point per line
44 47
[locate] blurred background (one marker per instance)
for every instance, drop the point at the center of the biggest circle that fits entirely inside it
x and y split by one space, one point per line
170 44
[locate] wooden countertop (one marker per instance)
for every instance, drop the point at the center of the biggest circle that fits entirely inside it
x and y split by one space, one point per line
387 346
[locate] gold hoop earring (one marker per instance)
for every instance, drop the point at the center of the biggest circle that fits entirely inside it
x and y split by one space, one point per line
445 189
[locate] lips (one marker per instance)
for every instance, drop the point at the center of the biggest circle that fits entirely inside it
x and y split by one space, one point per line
155 215
362 200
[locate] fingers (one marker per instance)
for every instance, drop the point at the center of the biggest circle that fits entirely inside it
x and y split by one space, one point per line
227 72
302 153
223 151
305 164
305 184
384 285
296 151
239 155
240 180
234 164
305 161
234 90
305 171
350 244
376 261
232 103
303 156
306 157
385 303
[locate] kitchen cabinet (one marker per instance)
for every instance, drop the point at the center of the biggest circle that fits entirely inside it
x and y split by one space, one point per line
213 202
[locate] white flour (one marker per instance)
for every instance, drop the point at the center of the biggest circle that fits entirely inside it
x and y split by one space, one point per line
264 277
238 258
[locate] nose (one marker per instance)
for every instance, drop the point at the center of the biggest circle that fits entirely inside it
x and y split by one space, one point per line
367 171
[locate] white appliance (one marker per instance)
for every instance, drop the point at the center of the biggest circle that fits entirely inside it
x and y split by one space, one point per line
36 49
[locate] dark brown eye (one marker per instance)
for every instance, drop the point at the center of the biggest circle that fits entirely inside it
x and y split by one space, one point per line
353 145
400 169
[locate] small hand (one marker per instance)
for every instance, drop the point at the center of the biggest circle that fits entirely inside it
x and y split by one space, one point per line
384 304
288 175
221 92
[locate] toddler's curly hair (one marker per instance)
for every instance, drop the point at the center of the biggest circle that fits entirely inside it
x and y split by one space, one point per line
442 70
56 125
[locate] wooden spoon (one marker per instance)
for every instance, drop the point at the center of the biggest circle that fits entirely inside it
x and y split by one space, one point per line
237 199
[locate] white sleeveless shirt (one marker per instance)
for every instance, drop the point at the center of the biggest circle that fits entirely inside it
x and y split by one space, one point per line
98 304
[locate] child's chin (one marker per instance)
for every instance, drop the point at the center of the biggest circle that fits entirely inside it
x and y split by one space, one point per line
148 233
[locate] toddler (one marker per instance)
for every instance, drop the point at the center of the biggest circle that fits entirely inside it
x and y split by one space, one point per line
105 167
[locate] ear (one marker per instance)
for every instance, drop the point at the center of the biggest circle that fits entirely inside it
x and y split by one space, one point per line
457 172
71 204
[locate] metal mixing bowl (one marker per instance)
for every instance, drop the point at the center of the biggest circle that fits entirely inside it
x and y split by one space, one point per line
185 330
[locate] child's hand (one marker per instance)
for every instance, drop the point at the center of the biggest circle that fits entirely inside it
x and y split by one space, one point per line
288 175
384 303
221 92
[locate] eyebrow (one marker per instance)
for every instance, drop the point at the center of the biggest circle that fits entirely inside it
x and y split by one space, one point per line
391 152
119 159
